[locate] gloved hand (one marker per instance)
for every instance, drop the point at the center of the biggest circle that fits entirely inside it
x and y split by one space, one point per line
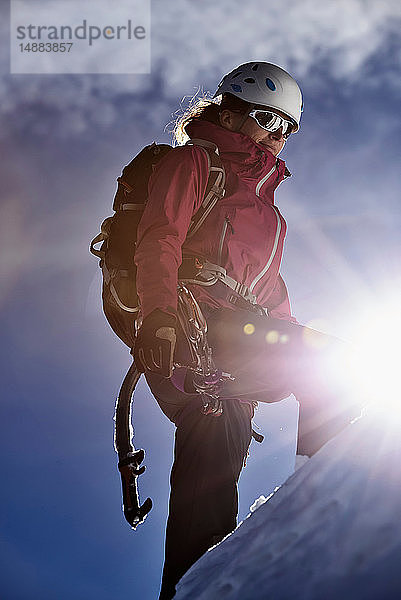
155 343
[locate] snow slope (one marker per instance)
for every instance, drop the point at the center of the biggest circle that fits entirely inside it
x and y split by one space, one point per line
333 530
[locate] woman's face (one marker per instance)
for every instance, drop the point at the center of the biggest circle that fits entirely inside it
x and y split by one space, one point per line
273 140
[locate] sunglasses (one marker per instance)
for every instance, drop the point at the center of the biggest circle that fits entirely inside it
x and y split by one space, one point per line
270 121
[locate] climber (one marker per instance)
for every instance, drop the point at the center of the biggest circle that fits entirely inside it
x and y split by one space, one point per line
231 265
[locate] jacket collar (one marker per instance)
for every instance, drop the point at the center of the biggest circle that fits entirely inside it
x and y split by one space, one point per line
247 157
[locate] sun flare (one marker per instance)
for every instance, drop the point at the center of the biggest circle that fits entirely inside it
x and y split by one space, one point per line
374 364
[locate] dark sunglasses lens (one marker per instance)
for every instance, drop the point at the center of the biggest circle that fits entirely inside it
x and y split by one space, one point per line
290 130
264 118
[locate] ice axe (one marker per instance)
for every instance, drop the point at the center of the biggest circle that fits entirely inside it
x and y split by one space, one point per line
129 459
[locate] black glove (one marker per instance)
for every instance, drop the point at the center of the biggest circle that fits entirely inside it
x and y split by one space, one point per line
155 343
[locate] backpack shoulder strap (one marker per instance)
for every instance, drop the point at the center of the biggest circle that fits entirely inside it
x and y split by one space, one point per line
215 186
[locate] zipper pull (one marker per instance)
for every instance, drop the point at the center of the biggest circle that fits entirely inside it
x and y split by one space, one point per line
227 220
278 170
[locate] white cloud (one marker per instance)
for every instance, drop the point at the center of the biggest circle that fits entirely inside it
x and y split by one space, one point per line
217 36
195 42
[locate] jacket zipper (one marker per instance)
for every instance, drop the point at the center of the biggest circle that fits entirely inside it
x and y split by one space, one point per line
266 177
278 229
226 223
272 254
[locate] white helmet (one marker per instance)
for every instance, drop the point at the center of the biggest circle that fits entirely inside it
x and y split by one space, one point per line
264 84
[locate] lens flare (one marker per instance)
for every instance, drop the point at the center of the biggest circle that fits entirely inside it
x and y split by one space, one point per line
272 336
375 359
249 329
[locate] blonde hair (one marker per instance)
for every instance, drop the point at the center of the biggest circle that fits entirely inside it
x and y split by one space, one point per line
202 106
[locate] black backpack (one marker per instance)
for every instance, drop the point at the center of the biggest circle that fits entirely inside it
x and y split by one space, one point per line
118 233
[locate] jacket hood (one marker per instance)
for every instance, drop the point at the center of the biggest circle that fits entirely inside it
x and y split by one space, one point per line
245 155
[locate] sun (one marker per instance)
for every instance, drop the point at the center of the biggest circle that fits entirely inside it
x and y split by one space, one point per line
375 358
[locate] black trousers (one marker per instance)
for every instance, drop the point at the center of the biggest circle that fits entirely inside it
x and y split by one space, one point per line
270 359
209 454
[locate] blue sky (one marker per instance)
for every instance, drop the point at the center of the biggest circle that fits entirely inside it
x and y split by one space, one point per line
63 141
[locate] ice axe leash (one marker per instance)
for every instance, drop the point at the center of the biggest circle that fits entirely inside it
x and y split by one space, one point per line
129 459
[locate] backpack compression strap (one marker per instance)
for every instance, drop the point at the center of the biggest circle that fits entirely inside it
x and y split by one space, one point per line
109 276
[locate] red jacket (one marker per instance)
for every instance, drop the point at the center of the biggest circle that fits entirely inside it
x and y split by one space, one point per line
246 222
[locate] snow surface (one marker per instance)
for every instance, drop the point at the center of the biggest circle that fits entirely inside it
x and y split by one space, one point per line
332 531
